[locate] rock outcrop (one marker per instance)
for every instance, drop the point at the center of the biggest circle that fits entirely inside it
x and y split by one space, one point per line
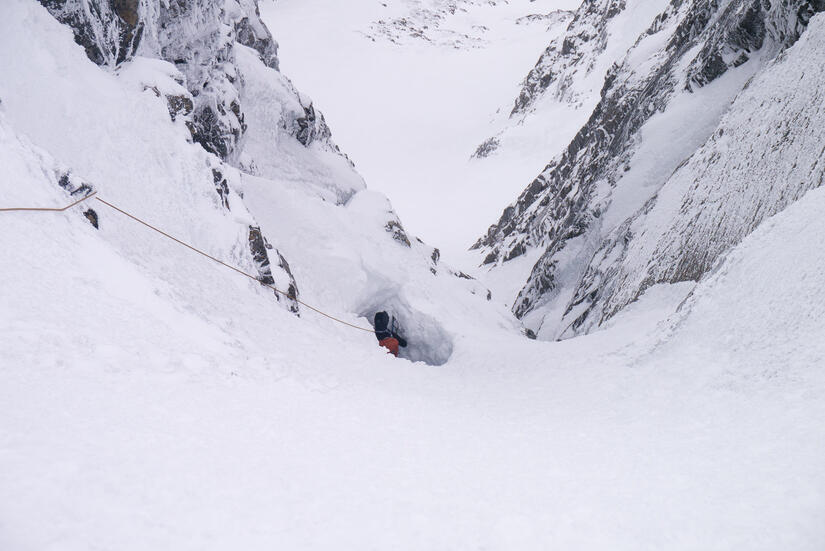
109 31
199 38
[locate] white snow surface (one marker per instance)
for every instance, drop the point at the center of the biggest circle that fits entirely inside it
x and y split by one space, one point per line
154 400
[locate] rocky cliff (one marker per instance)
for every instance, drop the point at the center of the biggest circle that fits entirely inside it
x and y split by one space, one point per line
659 103
767 152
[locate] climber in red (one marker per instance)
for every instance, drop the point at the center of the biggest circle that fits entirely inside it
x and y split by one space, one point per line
387 333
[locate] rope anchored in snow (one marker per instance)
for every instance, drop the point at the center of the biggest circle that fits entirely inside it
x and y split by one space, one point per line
192 248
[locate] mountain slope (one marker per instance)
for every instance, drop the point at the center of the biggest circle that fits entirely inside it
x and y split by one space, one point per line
148 160
153 399
766 153
658 105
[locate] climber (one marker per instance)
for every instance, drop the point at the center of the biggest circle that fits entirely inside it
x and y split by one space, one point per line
387 333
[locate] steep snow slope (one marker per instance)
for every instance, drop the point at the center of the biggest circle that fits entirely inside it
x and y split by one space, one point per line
347 243
658 105
138 416
767 152
114 132
411 106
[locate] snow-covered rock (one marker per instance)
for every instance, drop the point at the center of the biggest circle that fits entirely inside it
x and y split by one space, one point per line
562 89
430 21
199 38
659 103
765 154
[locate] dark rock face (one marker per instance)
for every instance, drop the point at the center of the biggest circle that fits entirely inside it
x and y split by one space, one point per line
212 134
738 42
292 287
561 211
74 185
311 127
434 258
78 188
127 10
110 31
222 187
809 9
259 40
258 247
91 216
179 106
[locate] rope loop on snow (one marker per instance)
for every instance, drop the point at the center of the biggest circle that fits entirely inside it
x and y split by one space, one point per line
192 248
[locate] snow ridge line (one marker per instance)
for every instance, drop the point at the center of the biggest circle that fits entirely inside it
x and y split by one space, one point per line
188 246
